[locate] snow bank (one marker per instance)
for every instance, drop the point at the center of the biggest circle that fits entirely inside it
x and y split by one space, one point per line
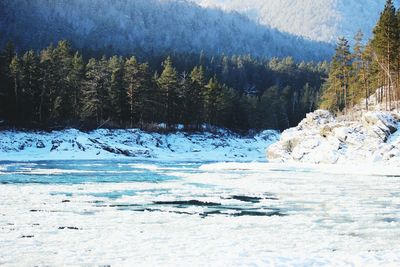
321 138
108 144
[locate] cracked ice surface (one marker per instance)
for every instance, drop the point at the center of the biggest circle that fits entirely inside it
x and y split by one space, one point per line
124 213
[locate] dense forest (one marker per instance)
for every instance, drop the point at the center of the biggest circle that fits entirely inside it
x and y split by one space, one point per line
367 67
60 87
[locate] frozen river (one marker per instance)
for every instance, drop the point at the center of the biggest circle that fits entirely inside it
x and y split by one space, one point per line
120 213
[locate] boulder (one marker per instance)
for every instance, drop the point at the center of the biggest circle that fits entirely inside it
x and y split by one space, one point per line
39 144
385 121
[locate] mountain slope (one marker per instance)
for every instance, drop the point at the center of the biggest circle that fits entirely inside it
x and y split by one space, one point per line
321 20
146 26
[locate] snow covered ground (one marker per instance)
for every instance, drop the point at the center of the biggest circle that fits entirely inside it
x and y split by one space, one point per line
81 213
107 144
371 137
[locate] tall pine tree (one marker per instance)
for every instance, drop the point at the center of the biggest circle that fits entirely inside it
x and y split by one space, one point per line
385 43
168 85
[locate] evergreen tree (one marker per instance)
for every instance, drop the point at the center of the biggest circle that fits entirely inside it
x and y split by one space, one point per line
63 95
385 43
168 84
117 90
335 94
137 81
194 98
95 92
146 97
212 98
76 79
15 70
6 83
29 86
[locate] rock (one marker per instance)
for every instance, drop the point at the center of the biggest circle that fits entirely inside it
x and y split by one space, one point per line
341 133
325 131
40 144
383 120
80 146
322 138
319 117
56 144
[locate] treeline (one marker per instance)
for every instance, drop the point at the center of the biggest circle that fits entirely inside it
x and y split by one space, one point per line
369 68
58 87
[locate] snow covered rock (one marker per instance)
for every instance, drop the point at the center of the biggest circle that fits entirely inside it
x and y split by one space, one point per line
134 144
322 138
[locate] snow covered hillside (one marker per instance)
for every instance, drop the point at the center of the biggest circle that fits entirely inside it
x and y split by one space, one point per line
106 144
147 27
321 138
322 20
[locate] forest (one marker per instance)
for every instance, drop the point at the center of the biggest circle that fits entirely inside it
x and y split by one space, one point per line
61 87
367 68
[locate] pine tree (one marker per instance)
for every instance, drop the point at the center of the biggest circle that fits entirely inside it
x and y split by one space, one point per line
117 90
138 86
168 84
96 101
335 96
212 98
385 43
358 75
76 80
195 100
6 82
63 96
29 86
15 70
397 64
146 95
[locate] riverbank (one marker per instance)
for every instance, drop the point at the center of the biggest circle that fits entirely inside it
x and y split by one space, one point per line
133 144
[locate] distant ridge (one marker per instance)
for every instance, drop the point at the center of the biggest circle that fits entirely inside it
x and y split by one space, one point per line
320 20
147 26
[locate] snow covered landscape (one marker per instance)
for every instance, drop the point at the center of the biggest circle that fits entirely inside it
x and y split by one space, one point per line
199 133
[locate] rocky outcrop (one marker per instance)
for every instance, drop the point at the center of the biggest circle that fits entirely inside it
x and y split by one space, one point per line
322 138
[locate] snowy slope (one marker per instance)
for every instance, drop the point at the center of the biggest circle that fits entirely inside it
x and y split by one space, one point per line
322 20
147 26
133 144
